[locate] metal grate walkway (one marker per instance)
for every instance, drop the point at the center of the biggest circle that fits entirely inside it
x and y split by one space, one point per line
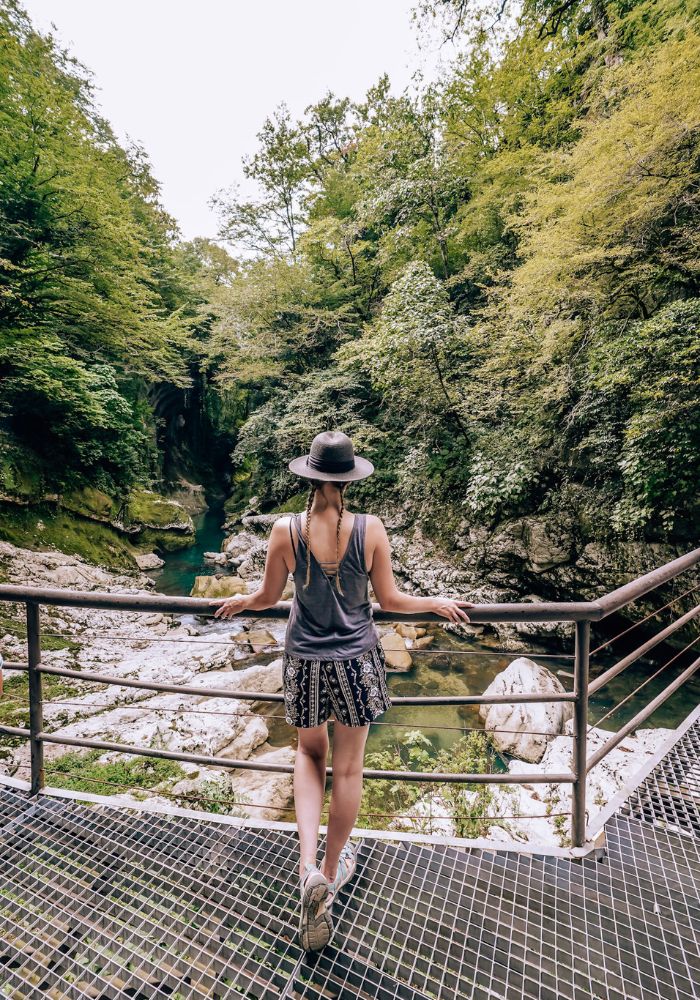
107 903
669 797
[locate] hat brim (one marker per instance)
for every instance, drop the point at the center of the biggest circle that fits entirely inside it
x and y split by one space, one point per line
363 468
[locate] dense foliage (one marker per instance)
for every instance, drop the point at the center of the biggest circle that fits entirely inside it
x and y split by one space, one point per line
491 284
98 301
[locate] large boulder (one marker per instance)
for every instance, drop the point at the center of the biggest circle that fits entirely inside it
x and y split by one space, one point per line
395 652
218 585
512 725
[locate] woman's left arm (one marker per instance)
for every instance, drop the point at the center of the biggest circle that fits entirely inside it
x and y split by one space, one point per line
274 580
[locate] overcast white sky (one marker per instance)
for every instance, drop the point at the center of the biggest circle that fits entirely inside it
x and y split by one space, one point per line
193 81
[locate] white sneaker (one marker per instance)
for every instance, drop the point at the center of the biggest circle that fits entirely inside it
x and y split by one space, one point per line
347 865
315 921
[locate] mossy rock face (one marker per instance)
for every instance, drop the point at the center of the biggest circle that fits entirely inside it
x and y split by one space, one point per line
47 526
20 474
90 503
167 541
151 510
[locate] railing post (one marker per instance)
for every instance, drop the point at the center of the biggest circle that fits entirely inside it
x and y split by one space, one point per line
36 705
580 749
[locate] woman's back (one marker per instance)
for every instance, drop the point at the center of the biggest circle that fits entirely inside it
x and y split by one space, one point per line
326 621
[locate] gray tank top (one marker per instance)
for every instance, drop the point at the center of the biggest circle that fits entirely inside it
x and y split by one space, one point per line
324 624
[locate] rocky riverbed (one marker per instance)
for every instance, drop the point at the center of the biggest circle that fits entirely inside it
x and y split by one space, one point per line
244 656
150 647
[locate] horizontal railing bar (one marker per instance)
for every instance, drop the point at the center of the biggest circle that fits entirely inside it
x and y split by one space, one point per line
14 731
530 612
617 599
434 727
446 699
643 715
608 675
255 765
87 675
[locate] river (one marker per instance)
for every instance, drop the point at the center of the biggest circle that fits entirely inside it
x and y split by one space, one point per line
451 665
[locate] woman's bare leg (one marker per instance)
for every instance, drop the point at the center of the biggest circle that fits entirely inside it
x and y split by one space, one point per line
348 762
309 789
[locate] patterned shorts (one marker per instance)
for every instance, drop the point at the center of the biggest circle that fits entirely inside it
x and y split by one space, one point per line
355 690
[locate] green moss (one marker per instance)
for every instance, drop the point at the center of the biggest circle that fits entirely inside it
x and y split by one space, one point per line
15 712
91 503
294 505
156 511
82 772
167 541
20 474
48 526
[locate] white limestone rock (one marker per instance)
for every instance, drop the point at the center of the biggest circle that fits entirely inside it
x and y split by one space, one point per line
269 793
512 725
604 781
149 560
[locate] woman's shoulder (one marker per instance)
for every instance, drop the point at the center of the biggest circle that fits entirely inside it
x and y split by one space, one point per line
282 525
373 524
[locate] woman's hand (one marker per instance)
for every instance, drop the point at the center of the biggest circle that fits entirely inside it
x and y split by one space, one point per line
448 608
230 606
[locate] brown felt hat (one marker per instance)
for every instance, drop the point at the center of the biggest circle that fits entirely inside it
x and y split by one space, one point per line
332 457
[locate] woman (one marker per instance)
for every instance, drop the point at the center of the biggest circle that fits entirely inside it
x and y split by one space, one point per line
333 660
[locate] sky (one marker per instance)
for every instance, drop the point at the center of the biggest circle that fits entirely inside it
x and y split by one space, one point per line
193 82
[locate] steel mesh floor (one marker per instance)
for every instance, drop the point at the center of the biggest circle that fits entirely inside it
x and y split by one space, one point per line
670 796
102 902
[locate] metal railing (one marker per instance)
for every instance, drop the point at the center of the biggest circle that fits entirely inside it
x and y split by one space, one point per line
582 613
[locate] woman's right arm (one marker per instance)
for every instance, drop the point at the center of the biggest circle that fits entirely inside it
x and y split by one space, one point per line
384 586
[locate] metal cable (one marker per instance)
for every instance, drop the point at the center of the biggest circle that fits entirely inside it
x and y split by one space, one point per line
644 683
124 785
642 620
271 715
198 797
277 648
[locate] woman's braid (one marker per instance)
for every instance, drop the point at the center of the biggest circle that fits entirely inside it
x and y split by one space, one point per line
337 542
309 502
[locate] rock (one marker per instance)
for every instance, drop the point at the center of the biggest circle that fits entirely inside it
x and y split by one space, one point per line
604 781
270 790
252 733
155 619
257 639
409 631
395 651
423 641
215 557
511 725
147 509
239 544
549 541
77 576
190 496
260 521
149 560
265 677
218 585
